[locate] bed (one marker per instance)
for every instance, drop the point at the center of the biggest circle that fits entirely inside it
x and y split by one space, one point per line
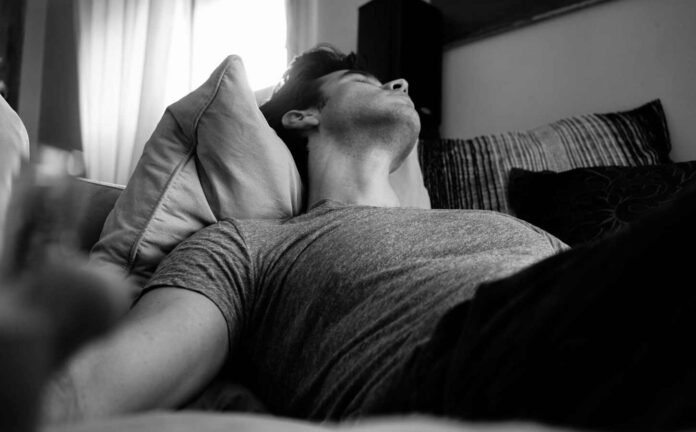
579 178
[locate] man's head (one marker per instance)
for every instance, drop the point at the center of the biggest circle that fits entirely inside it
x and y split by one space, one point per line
300 89
324 86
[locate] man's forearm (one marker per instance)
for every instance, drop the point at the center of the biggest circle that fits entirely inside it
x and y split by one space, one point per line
72 394
61 402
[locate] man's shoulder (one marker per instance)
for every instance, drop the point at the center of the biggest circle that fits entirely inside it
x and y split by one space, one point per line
247 234
219 232
487 223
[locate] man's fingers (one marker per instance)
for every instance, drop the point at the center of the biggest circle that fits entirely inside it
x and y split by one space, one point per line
79 302
42 211
42 264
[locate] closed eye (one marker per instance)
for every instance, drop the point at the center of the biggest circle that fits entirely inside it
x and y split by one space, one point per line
371 82
362 76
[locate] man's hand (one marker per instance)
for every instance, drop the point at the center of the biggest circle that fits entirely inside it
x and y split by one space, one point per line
52 302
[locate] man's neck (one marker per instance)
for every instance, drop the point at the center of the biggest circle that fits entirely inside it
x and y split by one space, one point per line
351 178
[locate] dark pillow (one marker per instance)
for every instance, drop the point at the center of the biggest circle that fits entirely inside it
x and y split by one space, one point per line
585 204
472 173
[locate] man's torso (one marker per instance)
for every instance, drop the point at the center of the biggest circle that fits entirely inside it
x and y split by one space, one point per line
325 307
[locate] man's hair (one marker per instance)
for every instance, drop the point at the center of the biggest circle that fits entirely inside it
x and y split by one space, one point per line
299 89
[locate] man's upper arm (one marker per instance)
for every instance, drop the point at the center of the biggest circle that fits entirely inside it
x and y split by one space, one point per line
214 262
167 348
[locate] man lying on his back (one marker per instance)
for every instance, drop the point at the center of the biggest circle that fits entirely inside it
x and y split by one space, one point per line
359 307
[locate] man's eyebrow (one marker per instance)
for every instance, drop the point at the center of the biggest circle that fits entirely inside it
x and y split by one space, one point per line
358 72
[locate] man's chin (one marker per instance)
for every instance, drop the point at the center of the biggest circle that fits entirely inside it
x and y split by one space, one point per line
408 116
415 126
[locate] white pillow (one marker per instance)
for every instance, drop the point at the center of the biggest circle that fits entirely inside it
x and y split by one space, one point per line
14 147
213 155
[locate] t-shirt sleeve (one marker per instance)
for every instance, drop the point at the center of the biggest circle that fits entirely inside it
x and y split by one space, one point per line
214 262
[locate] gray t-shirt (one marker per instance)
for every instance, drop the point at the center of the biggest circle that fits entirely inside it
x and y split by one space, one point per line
325 307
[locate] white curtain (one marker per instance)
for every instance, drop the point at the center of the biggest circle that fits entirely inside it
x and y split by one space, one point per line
136 57
302 18
124 49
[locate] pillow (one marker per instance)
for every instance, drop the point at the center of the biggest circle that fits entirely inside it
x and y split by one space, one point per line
472 173
211 156
97 200
14 147
585 204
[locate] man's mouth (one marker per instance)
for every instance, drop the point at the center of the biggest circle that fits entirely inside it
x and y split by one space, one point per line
406 97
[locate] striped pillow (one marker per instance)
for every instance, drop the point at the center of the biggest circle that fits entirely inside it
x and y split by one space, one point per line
473 173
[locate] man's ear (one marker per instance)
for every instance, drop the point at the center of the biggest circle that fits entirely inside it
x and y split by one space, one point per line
300 119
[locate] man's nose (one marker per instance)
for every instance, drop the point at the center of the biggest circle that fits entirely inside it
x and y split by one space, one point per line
398 85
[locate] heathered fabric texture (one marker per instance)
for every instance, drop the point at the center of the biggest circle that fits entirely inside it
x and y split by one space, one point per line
325 307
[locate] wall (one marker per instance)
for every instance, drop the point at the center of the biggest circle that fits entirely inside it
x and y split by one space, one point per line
59 122
32 69
612 56
338 23
48 102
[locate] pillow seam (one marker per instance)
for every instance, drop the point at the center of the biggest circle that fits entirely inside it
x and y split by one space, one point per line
133 255
207 105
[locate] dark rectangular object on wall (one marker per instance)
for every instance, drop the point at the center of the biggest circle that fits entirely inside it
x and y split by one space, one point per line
467 20
403 39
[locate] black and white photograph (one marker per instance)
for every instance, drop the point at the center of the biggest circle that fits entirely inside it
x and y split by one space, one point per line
347 215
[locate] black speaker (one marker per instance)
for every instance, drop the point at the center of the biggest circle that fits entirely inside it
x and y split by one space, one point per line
403 39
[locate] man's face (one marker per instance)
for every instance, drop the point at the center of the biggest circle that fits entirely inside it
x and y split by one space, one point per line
355 99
